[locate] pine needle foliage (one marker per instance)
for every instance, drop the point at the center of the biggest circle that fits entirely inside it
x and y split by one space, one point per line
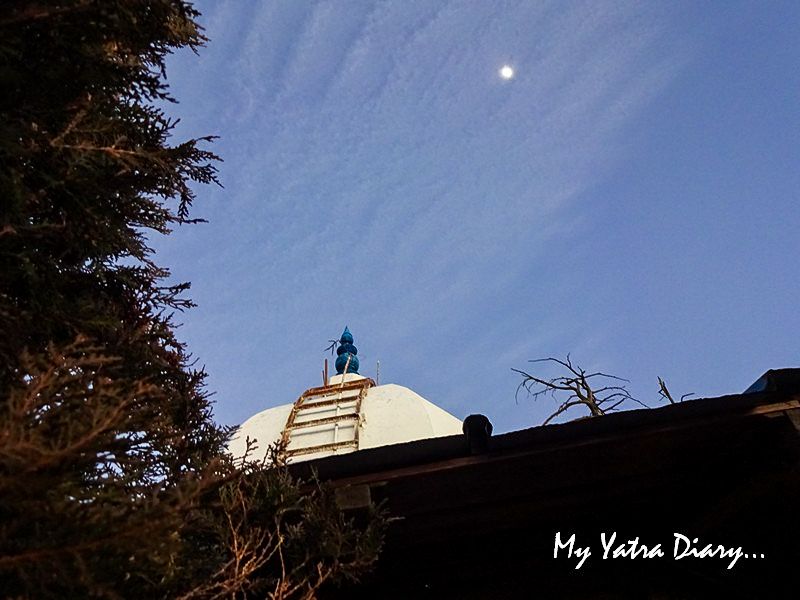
113 478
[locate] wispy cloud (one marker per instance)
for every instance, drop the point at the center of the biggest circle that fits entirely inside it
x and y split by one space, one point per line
381 171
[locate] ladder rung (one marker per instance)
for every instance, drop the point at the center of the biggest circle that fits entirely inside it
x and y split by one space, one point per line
322 448
316 399
322 421
305 405
336 387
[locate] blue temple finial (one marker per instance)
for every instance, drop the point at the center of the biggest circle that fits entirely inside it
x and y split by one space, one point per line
347 337
346 350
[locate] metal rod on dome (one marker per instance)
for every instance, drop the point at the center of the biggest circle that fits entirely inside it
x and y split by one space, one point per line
325 374
378 374
346 367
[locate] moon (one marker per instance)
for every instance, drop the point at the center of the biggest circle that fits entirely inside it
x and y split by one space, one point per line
506 72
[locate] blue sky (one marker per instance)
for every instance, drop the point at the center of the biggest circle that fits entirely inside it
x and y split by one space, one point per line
631 196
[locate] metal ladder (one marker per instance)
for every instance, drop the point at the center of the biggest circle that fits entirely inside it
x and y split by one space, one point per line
325 419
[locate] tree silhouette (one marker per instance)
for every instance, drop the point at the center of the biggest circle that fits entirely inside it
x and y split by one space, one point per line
113 477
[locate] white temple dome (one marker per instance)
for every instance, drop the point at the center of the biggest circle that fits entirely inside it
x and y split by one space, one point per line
389 414
349 413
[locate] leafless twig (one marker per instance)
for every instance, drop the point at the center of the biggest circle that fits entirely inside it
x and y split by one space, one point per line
578 386
664 392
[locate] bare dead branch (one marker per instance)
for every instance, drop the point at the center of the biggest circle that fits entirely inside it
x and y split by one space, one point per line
663 391
577 386
665 394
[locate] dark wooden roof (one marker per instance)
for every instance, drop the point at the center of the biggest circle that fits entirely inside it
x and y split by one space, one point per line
481 524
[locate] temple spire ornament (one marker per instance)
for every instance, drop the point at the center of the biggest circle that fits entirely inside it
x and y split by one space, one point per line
346 351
